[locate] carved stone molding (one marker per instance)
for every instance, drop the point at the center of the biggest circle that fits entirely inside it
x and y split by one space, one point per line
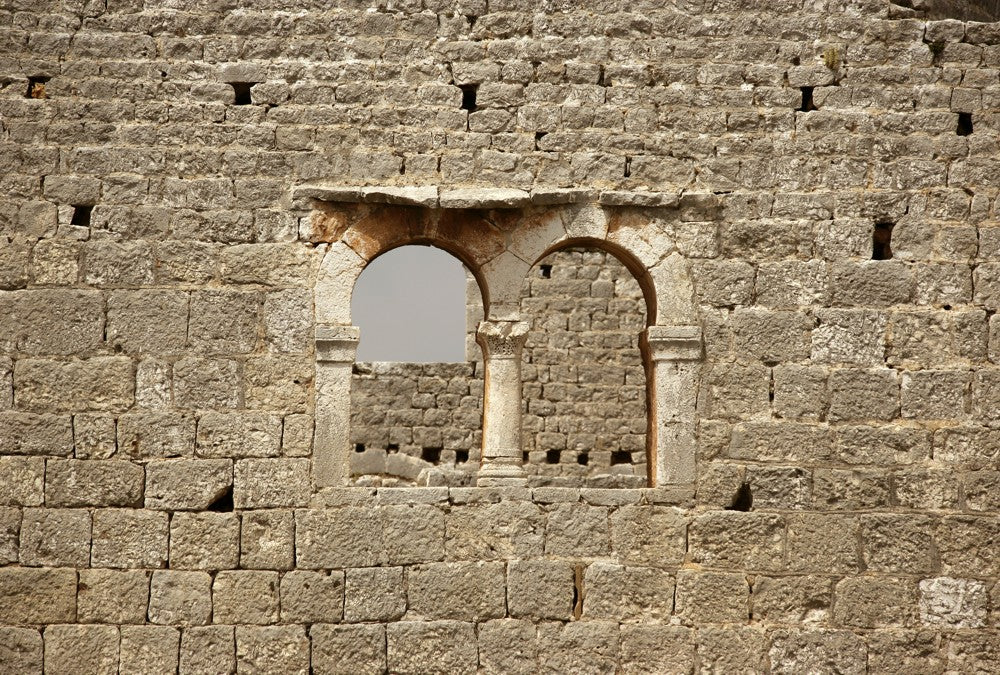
674 343
336 344
502 339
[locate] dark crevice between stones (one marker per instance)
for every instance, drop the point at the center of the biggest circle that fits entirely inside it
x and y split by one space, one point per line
808 105
359 447
36 87
882 241
545 271
461 456
578 591
621 457
224 504
242 92
81 215
552 456
582 459
539 135
432 455
392 447
742 500
964 124
469 96
628 167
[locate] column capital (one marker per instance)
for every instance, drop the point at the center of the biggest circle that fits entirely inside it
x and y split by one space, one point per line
674 343
336 344
502 339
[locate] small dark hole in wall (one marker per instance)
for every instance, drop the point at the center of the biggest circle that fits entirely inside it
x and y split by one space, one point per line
461 456
545 271
81 215
796 61
539 135
628 167
621 457
392 447
882 241
964 124
552 456
582 459
742 500
432 455
807 100
36 87
469 96
242 91
524 457
224 504
360 447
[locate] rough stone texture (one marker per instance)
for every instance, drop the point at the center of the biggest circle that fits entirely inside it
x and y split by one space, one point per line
173 176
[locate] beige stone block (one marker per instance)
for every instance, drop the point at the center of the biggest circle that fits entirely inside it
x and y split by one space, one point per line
35 434
462 591
97 383
37 595
81 649
125 538
208 649
155 435
59 322
224 321
22 481
279 383
180 598
55 537
207 383
274 650
312 597
792 600
113 596
245 596
508 529
87 482
540 589
727 539
712 597
374 594
651 649
348 650
508 646
10 531
803 651
579 646
94 436
271 483
187 484
20 651
148 321
209 541
431 646
282 264
577 530
149 650
238 435
632 594
642 535
736 649
267 540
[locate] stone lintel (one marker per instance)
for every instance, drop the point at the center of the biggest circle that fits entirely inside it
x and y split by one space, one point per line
674 343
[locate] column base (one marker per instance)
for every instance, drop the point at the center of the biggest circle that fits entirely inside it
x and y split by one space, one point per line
502 472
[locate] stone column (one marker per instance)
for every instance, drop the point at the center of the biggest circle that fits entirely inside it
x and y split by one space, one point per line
502 462
675 353
336 348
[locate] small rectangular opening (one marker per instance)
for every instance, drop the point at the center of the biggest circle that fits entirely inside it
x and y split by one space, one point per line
461 456
242 92
882 241
360 447
582 459
81 215
964 124
552 456
36 86
545 271
808 105
469 96
621 457
432 455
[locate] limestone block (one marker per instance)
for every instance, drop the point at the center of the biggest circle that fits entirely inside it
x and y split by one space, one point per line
374 594
149 650
22 481
648 649
959 603
864 394
898 543
224 322
72 189
792 600
272 649
180 598
192 262
94 436
271 483
6 383
312 597
86 482
800 391
297 436
464 591
152 384
147 321
81 649
904 651
735 391
107 263
483 198
431 647
37 595
59 321
125 538
644 535
155 435
627 594
536 234
348 650
288 320
577 530
238 434
508 646
724 539
55 537
644 238
732 649
579 647
972 447
14 259
37 218
31 434
112 596
871 602
771 335
986 397
204 541
208 649
10 532
881 445
855 336
187 484
540 589
21 650
245 596
968 546
284 264
927 489
207 383
982 490
712 597
792 283
338 272
279 383
267 540
723 283
98 383
802 651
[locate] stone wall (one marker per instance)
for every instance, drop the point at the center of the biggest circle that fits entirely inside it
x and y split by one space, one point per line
825 170
584 389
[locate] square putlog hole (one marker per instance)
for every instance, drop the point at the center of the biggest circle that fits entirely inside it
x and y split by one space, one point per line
36 87
242 92
81 215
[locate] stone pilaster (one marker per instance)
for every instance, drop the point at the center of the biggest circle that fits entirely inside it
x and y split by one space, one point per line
502 342
336 347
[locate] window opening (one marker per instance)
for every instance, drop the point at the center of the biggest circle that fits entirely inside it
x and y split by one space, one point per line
882 241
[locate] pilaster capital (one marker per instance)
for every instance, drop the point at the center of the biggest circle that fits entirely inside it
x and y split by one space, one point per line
336 344
674 343
502 339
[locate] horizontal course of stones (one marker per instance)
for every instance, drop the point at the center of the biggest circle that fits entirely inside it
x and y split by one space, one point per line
508 580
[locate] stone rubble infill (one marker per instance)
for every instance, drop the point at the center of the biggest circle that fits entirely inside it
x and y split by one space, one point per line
481 198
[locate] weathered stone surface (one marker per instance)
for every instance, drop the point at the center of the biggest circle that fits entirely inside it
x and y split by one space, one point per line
374 594
742 540
148 322
206 383
97 383
149 650
540 589
348 649
960 603
158 435
507 646
204 541
180 598
805 651
873 602
267 540
94 436
55 538
113 596
712 597
93 483
245 596
577 529
627 594
31 434
647 649
312 597
271 483
126 538
21 650
81 649
187 484
22 481
272 649
431 647
578 647
224 322
732 649
208 649
648 535
10 531
37 596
